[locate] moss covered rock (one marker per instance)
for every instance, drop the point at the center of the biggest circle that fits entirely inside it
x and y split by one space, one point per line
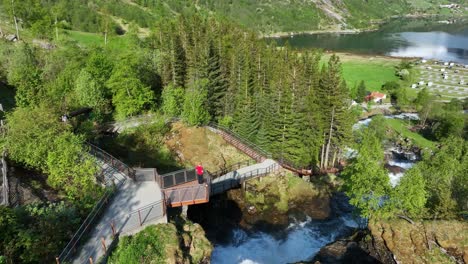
423 242
271 199
182 242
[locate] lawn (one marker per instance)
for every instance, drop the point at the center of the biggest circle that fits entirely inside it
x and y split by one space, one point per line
373 70
401 126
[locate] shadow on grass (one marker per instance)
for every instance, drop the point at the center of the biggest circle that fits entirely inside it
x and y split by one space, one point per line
137 150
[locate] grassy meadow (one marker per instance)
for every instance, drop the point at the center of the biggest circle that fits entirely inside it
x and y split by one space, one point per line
373 70
401 127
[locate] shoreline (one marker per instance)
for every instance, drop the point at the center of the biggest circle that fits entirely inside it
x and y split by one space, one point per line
375 25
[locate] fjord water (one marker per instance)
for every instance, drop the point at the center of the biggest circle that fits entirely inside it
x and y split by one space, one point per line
425 38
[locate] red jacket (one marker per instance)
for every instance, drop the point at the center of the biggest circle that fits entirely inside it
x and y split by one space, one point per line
199 169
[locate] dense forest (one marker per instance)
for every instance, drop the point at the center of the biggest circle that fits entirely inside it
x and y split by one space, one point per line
202 69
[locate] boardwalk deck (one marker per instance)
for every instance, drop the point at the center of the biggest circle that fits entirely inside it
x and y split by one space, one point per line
135 205
235 178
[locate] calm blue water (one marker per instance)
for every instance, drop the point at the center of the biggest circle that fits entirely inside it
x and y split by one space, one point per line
408 38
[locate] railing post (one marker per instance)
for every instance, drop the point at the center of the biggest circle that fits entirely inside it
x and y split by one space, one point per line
103 242
57 260
113 228
91 260
139 216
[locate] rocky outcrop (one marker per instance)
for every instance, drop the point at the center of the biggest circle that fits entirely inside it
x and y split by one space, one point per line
353 249
272 199
422 242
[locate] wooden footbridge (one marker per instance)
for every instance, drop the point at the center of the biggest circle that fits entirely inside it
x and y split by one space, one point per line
134 198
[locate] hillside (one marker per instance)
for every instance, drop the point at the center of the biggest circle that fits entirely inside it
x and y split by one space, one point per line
274 16
115 17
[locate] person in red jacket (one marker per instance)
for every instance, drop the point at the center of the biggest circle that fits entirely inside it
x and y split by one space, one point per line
199 169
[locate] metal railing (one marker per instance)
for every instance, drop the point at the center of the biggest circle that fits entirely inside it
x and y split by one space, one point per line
101 205
86 226
237 180
151 175
5 185
113 228
175 178
111 161
261 152
142 216
198 193
230 168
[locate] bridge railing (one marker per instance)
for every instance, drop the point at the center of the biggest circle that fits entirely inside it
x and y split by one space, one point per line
142 216
87 225
230 168
198 193
229 183
279 158
112 161
241 139
175 178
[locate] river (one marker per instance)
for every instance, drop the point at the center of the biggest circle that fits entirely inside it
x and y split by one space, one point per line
426 38
302 239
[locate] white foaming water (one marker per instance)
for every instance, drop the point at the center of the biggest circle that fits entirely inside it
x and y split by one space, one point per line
402 164
395 178
302 241
361 123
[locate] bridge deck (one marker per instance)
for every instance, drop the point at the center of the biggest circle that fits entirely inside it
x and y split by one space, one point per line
234 178
123 211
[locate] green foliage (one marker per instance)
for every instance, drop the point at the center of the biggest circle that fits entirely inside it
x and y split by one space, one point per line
410 195
31 134
130 95
391 86
91 93
147 246
445 174
23 73
379 126
38 140
72 170
361 92
172 100
36 232
194 111
366 181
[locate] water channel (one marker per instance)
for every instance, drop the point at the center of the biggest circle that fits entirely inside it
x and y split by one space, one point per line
427 38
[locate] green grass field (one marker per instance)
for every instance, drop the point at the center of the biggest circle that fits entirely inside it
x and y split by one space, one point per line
93 39
374 71
401 127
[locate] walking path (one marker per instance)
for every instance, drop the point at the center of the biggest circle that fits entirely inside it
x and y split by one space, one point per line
234 178
122 213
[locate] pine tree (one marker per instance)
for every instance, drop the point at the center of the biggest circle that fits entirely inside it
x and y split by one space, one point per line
361 92
336 118
217 85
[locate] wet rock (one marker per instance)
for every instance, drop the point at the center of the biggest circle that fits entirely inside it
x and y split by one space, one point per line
346 250
394 169
251 209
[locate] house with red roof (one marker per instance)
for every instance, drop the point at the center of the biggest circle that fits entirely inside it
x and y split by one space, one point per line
376 97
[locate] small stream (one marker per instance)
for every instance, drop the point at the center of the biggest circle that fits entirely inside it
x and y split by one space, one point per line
303 239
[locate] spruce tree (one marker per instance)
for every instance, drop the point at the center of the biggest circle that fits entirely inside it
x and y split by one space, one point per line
361 92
